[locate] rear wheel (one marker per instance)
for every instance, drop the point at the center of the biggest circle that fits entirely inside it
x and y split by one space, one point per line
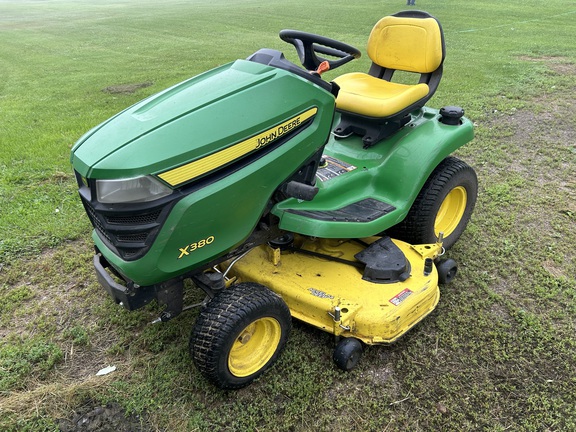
239 335
444 204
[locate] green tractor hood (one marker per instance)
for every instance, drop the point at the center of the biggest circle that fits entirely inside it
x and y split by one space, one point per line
193 119
223 143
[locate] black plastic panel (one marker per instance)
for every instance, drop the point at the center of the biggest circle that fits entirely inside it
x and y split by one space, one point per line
366 210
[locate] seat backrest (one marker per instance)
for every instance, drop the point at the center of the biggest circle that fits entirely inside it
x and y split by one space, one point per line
410 41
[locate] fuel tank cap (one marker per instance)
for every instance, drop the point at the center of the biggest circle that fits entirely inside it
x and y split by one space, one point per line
451 115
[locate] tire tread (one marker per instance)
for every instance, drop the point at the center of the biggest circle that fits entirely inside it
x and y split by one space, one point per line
418 226
221 318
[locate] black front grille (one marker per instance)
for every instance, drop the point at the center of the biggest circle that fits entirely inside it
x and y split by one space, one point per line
134 219
96 221
132 238
127 229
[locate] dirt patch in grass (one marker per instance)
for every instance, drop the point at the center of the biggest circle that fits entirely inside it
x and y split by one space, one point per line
541 135
126 89
107 418
560 65
526 172
63 303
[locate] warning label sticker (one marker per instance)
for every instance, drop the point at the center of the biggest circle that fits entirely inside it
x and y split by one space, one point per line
399 298
332 168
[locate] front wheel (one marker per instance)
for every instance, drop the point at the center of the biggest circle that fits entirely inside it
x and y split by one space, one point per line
444 204
239 335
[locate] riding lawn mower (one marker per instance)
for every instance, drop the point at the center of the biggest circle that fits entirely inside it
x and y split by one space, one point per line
281 195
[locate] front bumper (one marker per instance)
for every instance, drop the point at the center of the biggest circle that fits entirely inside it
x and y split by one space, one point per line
130 296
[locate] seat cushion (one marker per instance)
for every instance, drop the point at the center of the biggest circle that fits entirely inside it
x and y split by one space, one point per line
366 95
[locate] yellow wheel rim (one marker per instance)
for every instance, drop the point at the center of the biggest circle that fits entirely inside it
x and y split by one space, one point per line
254 346
451 211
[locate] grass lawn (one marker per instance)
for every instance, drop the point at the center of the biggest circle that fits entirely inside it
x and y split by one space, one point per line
497 354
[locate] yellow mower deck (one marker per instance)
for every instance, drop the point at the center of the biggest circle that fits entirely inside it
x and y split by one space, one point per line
333 296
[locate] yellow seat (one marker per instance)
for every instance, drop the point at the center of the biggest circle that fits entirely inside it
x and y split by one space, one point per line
371 104
374 97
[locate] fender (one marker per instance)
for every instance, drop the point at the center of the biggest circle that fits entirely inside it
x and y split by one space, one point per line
368 196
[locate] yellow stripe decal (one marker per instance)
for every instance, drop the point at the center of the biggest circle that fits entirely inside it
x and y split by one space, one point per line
202 166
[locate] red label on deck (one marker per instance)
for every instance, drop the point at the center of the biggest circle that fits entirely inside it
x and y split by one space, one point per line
399 298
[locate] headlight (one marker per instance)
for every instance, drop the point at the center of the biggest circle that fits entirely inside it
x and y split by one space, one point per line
134 190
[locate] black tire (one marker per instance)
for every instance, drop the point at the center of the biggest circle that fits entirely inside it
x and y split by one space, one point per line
447 269
239 335
445 203
347 353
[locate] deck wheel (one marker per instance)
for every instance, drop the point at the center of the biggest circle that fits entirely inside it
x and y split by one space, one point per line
447 269
347 353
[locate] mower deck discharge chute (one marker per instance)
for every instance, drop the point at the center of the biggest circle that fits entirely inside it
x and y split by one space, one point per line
281 196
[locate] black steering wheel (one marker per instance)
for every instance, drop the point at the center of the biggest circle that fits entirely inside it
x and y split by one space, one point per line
308 45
